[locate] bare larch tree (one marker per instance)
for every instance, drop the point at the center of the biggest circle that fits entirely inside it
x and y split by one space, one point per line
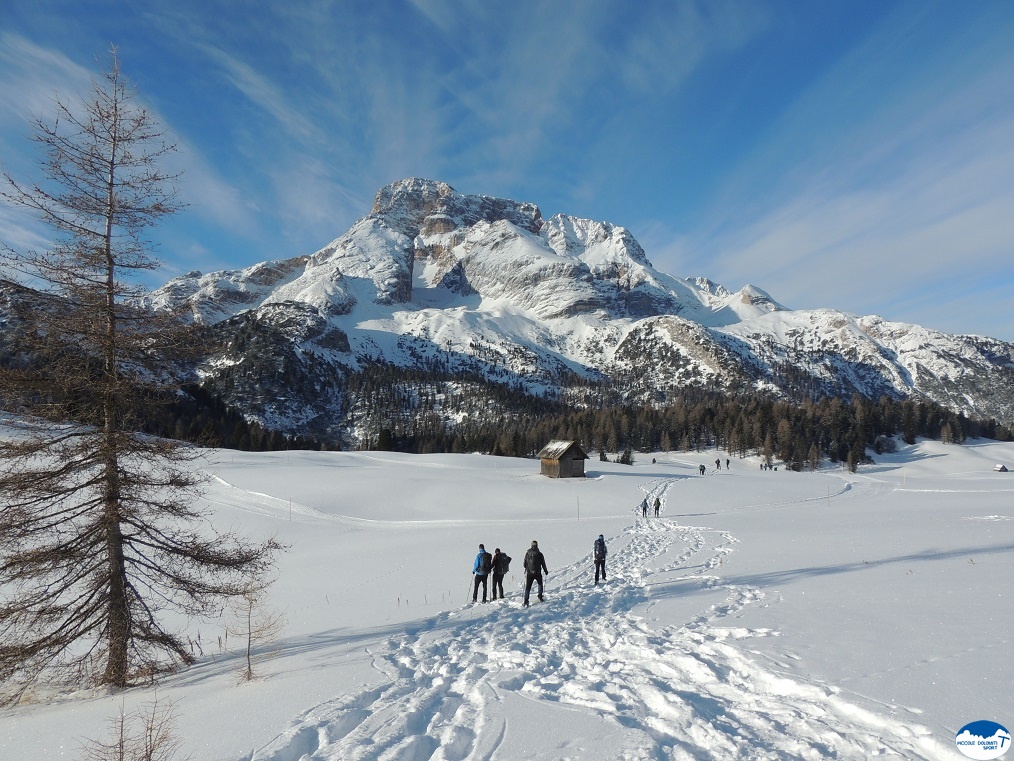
256 625
102 553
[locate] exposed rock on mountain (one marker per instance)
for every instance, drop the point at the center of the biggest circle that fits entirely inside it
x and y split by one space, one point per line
483 292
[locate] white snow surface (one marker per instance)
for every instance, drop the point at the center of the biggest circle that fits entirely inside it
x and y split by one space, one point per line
762 615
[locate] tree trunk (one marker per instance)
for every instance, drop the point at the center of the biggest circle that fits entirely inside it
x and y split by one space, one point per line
119 630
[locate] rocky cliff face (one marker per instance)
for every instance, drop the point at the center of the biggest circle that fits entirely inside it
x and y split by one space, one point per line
422 207
481 288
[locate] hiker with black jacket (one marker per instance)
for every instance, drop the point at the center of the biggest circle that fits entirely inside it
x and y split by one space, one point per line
480 569
501 564
535 565
599 551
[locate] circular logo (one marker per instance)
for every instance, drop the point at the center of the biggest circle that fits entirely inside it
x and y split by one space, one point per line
983 740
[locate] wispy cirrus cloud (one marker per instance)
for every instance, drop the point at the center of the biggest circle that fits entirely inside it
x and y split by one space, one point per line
31 76
210 196
795 147
550 94
265 93
660 57
494 102
897 207
31 79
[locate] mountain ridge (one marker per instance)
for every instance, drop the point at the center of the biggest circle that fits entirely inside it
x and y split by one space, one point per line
487 289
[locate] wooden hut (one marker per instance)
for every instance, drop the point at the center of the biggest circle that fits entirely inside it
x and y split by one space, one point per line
562 459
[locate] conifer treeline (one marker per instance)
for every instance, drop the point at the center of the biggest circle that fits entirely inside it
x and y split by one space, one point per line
799 435
203 418
412 413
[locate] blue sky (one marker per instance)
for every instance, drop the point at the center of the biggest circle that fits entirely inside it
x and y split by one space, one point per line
856 155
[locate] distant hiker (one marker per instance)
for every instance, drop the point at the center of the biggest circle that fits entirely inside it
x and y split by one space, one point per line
702 468
652 460
501 564
599 553
535 566
718 464
657 505
727 463
481 568
644 507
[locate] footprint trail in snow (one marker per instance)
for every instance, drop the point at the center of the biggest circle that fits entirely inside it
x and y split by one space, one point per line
684 692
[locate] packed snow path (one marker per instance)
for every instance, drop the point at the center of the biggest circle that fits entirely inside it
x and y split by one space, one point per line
687 692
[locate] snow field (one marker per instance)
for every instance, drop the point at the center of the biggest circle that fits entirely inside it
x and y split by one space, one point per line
680 692
761 616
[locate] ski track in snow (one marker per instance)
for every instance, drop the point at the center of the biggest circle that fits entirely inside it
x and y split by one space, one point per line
683 693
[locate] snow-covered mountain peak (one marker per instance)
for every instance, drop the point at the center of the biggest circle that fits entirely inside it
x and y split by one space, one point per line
710 287
754 296
478 286
600 245
416 206
210 298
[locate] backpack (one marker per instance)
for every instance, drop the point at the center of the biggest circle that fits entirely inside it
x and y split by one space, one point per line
600 549
486 563
532 564
505 564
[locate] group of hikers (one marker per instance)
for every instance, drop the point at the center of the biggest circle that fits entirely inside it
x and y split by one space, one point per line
644 507
718 465
498 564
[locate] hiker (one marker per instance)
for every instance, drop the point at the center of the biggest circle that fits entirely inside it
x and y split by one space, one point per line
658 504
727 463
480 569
702 468
644 507
535 566
718 464
501 564
599 553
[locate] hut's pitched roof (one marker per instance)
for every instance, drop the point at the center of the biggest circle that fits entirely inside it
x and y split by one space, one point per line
557 448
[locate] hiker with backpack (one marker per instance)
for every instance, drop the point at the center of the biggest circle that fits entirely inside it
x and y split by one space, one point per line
599 553
501 564
535 565
480 569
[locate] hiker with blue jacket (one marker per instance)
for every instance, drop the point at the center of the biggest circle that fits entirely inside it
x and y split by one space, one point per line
501 564
480 569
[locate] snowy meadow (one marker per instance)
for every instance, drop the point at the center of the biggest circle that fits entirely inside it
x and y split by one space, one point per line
762 615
